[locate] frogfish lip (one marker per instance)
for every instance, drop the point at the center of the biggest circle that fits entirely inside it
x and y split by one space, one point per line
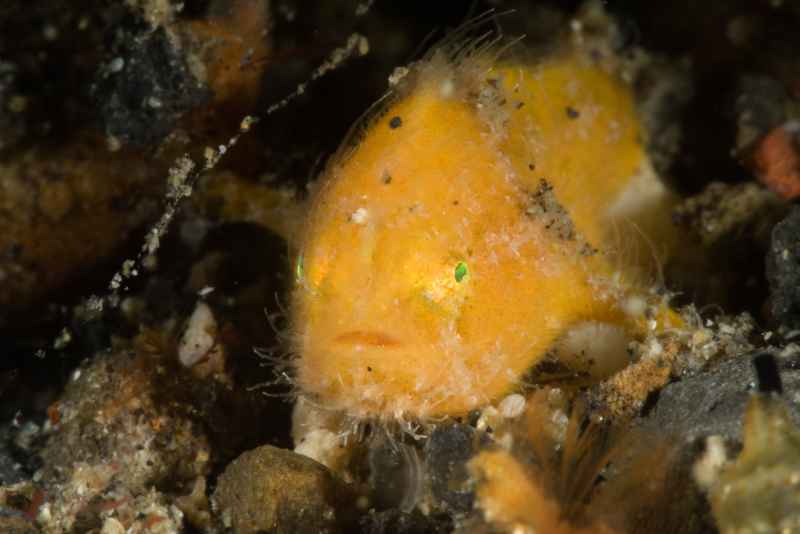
370 338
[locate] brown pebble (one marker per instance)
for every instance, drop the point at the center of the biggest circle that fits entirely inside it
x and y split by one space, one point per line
276 490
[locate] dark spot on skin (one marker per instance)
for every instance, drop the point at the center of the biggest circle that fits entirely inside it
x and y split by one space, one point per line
386 178
572 113
531 166
369 369
519 105
455 203
395 122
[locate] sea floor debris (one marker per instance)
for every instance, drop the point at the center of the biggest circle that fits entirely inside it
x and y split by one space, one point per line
159 159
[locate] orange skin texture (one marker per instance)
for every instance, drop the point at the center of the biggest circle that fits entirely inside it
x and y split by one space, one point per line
590 156
423 288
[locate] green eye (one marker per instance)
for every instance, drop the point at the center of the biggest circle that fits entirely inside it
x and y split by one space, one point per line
460 271
298 269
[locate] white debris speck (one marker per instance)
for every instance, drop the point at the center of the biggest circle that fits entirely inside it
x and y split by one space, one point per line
95 304
199 339
129 268
727 329
359 216
322 446
116 65
654 349
706 469
634 306
205 291
44 515
63 339
246 123
363 46
50 32
447 88
177 186
488 419
150 262
397 74
512 406
288 13
17 104
363 8
113 143
212 157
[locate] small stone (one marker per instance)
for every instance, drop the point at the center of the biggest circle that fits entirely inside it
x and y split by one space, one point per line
275 490
447 452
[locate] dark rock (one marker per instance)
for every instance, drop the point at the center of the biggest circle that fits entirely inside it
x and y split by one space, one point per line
713 403
687 412
145 87
446 454
783 271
